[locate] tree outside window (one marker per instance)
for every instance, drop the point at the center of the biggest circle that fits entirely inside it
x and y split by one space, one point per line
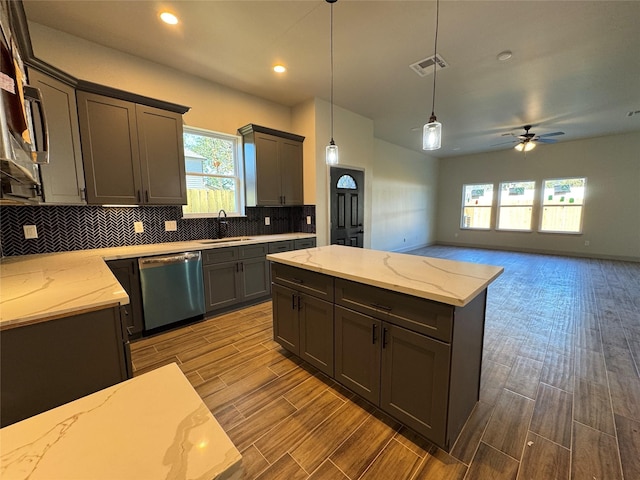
213 173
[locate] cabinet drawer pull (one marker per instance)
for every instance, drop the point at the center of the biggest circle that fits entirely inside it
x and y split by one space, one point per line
297 280
381 307
373 333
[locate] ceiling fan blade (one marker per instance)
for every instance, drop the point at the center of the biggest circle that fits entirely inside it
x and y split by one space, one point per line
545 140
504 143
552 134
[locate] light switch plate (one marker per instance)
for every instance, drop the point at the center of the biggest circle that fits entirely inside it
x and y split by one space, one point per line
170 226
308 219
267 220
30 231
138 227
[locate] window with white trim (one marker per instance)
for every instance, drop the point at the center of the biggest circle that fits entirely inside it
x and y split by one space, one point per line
213 164
562 205
515 205
477 203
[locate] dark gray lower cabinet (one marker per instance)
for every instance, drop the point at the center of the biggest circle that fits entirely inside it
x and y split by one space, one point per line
416 359
303 325
47 364
414 380
235 276
128 274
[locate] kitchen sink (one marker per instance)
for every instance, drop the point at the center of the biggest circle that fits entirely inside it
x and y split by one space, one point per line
225 240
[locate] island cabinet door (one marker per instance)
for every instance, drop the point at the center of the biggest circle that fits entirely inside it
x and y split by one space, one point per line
316 332
357 356
286 327
415 381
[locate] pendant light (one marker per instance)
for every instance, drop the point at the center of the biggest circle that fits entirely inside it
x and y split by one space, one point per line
332 148
432 131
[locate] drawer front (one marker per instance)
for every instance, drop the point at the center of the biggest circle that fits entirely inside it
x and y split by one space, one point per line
219 255
282 246
301 243
416 314
313 283
253 250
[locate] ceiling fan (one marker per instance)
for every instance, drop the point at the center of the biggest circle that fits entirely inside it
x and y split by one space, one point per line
527 141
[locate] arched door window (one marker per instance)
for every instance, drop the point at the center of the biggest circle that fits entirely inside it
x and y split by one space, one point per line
348 182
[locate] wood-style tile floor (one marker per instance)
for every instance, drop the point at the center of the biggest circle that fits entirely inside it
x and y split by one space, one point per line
560 395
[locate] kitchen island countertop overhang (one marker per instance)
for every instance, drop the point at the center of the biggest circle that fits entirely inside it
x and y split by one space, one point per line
446 281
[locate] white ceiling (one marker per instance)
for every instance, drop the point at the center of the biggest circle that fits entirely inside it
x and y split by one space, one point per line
575 65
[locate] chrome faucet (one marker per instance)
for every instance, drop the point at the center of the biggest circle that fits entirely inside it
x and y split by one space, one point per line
222 224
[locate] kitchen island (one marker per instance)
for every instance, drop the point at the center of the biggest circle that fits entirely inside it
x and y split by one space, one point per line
152 426
404 332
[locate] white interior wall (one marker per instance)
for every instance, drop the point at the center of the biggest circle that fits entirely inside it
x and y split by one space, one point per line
404 198
213 106
611 222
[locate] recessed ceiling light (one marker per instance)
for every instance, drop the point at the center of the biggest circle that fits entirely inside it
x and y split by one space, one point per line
169 18
504 56
279 69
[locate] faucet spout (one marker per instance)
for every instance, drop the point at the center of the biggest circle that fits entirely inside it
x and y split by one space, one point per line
222 224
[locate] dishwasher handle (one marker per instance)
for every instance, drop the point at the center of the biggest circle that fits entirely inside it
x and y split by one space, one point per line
150 262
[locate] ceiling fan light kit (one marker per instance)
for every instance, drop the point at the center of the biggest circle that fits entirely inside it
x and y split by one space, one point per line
432 131
332 149
525 146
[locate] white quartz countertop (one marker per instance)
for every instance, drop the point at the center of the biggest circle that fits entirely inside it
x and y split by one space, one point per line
150 427
35 288
446 281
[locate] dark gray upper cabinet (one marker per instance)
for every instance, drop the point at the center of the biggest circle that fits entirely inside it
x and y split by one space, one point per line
133 154
273 167
63 176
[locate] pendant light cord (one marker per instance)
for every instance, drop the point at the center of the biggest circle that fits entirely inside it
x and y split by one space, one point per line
435 60
331 55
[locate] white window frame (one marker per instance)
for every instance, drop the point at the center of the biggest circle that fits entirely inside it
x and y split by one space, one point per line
238 176
500 207
574 205
490 207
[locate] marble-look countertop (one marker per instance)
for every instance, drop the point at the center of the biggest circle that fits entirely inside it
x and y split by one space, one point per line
150 427
36 288
446 281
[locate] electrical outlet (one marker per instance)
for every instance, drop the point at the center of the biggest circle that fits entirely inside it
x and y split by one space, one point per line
308 219
138 227
30 231
267 220
170 226
586 243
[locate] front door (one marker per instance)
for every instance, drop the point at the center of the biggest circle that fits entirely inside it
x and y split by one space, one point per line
347 207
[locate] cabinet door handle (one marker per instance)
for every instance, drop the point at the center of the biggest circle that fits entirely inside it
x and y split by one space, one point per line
299 303
146 195
384 337
373 334
241 266
293 301
139 197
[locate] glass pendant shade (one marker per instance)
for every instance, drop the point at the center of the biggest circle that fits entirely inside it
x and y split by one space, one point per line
332 153
432 135
526 147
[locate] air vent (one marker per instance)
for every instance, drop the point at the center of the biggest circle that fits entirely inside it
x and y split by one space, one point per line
632 114
425 67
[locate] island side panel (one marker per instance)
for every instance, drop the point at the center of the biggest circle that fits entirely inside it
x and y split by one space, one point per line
466 363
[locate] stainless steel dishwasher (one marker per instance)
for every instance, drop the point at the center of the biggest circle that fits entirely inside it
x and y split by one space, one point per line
172 288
